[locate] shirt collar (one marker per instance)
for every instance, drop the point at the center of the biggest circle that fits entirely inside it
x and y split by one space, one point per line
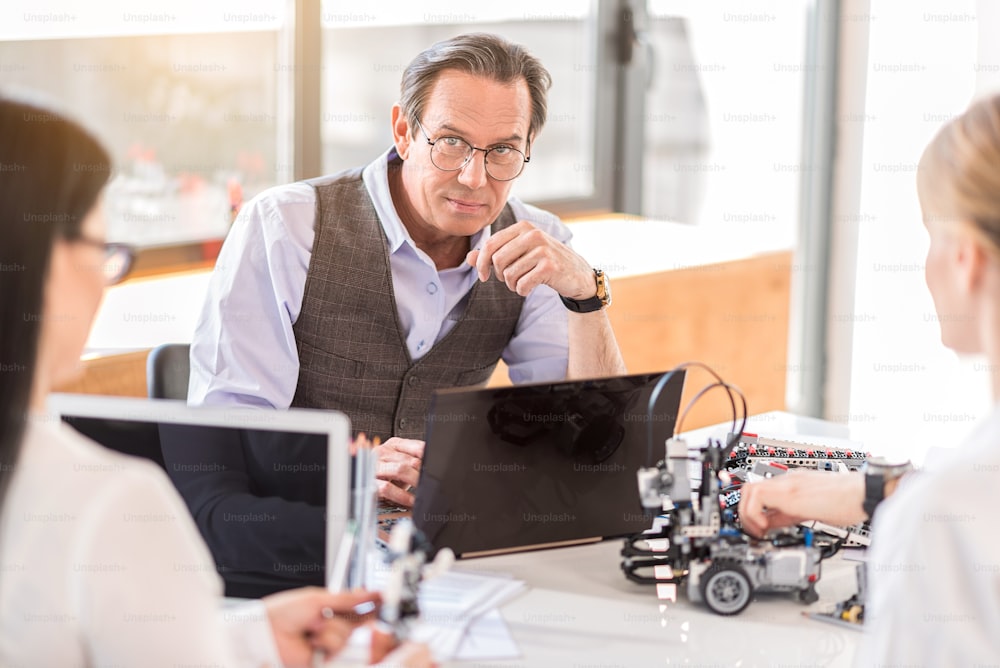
376 180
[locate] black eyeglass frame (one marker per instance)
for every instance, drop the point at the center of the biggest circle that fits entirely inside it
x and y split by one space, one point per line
472 151
125 251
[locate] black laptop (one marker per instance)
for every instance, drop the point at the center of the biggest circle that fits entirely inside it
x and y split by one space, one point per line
539 465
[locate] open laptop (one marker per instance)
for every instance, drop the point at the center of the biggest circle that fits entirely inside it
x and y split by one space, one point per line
135 426
539 465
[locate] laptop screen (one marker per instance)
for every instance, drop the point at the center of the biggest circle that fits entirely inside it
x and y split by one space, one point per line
540 464
255 480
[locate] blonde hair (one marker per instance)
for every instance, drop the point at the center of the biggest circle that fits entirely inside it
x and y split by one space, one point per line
959 172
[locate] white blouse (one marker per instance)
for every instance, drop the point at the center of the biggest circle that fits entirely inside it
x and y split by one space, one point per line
101 565
934 564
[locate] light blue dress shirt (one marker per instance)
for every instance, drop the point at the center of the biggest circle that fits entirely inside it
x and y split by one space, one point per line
243 350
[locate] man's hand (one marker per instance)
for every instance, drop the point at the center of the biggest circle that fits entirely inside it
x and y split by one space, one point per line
524 257
398 467
798 496
300 626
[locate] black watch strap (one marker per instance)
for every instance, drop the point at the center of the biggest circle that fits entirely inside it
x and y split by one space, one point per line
874 493
582 305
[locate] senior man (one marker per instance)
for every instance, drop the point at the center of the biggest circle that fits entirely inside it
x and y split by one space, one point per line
366 290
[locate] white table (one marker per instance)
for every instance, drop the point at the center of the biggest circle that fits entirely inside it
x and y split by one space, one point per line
580 610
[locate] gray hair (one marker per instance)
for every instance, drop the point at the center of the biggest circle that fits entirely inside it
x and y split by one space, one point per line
480 54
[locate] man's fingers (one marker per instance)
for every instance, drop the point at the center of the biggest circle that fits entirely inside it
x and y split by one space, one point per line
501 238
410 446
516 270
388 491
486 257
532 279
534 258
527 249
400 472
484 262
395 463
472 256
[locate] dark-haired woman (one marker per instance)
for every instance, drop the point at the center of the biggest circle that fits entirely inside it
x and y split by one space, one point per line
100 563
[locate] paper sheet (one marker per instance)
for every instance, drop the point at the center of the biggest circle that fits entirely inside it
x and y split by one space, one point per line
488 639
459 618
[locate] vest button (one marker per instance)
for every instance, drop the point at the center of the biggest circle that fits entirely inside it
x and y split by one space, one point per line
403 422
413 380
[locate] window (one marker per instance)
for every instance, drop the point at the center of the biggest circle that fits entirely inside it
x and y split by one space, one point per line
909 393
723 119
185 96
366 47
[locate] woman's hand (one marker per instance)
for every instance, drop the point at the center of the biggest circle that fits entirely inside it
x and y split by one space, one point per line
312 618
409 655
798 496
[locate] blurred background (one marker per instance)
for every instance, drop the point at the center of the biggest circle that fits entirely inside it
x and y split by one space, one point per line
798 124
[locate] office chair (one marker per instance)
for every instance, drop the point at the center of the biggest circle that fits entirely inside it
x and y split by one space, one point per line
167 370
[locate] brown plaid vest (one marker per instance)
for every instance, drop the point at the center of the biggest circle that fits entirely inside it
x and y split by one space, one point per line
352 351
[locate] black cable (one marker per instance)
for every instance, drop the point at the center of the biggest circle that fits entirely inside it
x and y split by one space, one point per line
653 396
695 398
832 549
658 388
737 433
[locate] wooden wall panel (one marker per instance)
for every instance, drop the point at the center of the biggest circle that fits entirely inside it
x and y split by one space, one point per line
122 375
732 316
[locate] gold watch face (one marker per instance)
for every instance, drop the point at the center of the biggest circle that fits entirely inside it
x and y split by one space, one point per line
603 287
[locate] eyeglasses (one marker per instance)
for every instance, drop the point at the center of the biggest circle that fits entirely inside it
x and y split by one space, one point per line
117 260
450 154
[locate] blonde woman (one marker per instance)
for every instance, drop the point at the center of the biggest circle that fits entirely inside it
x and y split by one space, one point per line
934 564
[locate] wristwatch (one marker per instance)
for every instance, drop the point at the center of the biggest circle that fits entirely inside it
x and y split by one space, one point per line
595 303
878 473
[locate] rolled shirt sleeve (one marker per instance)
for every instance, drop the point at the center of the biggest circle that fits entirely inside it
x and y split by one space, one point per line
243 351
539 349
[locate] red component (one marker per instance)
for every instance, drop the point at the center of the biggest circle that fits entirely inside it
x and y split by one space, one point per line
849 453
770 451
829 453
746 433
813 578
752 450
777 465
809 453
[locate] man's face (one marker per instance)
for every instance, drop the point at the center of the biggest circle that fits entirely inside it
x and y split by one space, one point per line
482 112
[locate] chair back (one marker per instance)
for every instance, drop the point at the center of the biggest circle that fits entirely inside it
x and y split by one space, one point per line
168 368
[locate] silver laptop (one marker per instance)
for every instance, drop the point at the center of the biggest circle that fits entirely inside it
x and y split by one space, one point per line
133 426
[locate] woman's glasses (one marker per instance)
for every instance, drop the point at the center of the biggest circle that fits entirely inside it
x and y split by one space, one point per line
117 260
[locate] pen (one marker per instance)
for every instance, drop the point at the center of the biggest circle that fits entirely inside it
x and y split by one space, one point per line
361 609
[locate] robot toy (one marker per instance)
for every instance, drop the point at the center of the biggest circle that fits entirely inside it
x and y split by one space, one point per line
699 546
407 555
